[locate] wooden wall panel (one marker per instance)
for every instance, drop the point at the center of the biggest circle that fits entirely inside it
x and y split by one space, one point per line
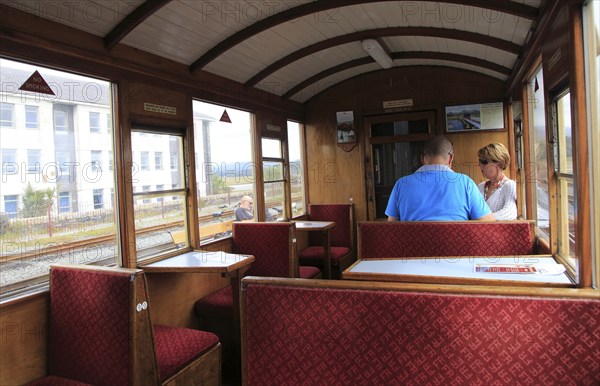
24 340
337 176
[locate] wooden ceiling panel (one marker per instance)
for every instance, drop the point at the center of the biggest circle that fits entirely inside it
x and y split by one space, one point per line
257 43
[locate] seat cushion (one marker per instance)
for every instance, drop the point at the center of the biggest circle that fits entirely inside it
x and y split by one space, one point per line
336 253
308 272
177 347
217 304
52 380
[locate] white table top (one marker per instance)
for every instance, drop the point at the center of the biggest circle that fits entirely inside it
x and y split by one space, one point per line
455 267
200 261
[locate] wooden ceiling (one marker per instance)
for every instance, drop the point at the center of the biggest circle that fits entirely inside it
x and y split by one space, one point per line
296 49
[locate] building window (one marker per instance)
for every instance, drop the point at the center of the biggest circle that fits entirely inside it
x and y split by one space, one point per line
64 202
97 160
145 160
34 160
98 198
61 122
9 161
63 159
223 177
11 205
158 160
32 117
94 122
7 115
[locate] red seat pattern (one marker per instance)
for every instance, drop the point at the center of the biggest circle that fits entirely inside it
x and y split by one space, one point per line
101 334
274 250
347 336
378 239
341 237
177 347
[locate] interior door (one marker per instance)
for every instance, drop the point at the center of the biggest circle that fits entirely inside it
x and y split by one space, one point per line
393 149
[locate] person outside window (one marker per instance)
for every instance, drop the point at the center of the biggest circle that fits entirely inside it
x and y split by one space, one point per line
499 191
245 211
435 192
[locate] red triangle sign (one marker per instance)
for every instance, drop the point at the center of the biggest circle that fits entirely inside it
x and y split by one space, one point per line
36 83
225 117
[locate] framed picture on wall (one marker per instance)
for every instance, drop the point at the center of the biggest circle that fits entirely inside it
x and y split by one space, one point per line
474 117
345 132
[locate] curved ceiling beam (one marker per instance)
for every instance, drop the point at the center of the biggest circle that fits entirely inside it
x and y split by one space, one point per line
508 7
397 55
135 18
472 37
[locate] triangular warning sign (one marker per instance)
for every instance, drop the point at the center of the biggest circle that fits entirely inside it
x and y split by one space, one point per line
225 117
36 83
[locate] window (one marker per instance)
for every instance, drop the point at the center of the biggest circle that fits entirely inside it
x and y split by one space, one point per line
537 178
591 11
61 122
98 198
223 177
566 188
53 209
273 179
64 202
34 160
97 160
7 115
9 161
296 162
155 217
144 160
32 117
158 160
94 122
63 159
11 205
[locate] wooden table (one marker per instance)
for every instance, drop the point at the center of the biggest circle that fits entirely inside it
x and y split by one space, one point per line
226 264
459 270
323 227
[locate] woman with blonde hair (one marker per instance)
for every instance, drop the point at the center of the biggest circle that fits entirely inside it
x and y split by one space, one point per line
499 191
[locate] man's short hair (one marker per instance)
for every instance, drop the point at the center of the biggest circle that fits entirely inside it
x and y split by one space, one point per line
438 146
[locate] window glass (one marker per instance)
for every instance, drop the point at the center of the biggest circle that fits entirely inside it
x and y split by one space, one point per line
225 171
273 179
296 161
7 115
51 210
537 177
160 216
565 182
94 122
32 119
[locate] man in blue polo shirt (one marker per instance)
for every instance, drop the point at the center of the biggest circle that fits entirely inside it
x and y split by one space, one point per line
436 193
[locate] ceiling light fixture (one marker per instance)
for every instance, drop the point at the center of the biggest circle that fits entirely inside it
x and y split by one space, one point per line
377 52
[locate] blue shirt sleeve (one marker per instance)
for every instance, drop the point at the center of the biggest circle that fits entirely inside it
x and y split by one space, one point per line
392 205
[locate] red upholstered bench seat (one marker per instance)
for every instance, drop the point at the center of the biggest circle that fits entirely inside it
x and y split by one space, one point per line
177 347
384 239
315 252
355 333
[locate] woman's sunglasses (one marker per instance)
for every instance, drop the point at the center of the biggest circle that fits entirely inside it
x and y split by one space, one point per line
484 161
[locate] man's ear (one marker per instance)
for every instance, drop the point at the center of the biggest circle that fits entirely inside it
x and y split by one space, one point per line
450 159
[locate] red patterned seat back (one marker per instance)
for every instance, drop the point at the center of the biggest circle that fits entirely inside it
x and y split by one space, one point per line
379 239
387 336
90 326
341 234
272 245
